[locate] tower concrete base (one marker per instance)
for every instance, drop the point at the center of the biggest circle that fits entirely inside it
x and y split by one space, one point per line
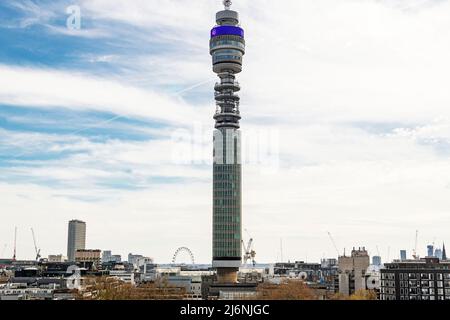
227 275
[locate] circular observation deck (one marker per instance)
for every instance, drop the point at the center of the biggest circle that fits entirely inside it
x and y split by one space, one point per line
227 47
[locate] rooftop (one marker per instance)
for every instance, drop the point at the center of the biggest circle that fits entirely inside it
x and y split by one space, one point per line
423 263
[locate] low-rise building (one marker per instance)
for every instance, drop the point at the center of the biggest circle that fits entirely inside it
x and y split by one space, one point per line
423 279
238 291
91 257
56 258
32 288
133 258
117 258
147 269
323 272
123 275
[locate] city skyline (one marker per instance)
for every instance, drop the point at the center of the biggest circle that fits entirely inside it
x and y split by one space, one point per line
422 252
361 108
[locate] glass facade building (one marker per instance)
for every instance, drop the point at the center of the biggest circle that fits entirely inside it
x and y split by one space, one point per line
227 223
76 238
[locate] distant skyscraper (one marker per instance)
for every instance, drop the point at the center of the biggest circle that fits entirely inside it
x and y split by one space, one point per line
430 250
106 256
227 47
444 254
403 255
76 238
376 260
438 253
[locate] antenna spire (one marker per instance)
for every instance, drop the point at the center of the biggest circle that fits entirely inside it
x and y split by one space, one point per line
227 4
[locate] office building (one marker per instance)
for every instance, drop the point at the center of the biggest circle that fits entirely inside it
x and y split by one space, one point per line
117 258
430 250
106 256
376 261
147 268
423 279
133 258
403 255
88 257
123 275
76 239
438 253
56 258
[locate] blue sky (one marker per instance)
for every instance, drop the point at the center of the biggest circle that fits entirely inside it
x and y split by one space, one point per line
354 92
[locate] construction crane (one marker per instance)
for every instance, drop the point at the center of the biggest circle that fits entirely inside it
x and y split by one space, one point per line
415 255
15 243
38 251
249 253
334 243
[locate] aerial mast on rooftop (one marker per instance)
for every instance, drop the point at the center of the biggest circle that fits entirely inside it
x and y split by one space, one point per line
227 4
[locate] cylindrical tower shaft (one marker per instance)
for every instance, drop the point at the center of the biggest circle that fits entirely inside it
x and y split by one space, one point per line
227 47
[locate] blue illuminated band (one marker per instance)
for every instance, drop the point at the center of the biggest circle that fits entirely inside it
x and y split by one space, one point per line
227 31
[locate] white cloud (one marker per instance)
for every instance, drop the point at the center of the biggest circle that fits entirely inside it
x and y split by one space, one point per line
49 88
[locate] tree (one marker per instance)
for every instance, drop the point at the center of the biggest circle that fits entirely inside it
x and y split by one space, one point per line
358 295
364 295
339 296
287 290
111 288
